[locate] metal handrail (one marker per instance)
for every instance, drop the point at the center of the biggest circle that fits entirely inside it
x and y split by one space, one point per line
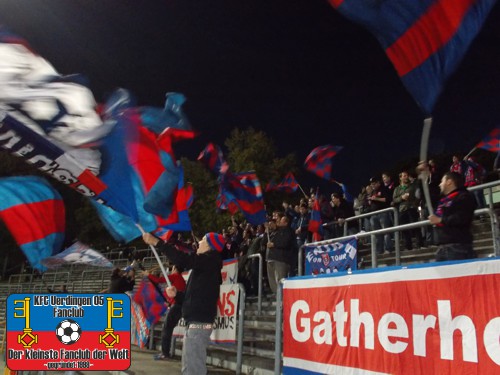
259 287
277 335
419 224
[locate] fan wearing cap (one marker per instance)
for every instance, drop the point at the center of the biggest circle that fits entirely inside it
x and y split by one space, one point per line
200 298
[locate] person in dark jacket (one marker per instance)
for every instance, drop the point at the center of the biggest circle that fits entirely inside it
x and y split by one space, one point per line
174 311
122 280
199 308
282 249
453 218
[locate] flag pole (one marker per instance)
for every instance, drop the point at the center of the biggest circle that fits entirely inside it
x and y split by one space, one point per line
469 154
303 192
424 169
153 249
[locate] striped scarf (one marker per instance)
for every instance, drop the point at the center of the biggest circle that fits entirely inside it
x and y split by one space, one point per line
444 202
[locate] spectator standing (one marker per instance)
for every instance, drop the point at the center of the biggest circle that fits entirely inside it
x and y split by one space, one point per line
200 298
453 219
405 200
379 200
122 280
281 253
474 175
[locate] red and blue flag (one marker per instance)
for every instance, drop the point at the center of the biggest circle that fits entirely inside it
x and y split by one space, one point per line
288 185
491 142
34 213
213 159
425 40
242 190
319 161
152 300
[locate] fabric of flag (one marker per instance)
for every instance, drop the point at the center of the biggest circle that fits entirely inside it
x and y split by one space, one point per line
59 108
492 141
153 303
245 191
140 327
319 161
315 222
424 40
33 211
141 165
242 190
224 203
288 185
213 159
124 229
78 253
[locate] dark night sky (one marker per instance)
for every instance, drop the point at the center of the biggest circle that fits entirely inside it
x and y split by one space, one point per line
295 69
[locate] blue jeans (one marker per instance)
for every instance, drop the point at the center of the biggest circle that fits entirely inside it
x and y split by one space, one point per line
382 221
455 251
194 351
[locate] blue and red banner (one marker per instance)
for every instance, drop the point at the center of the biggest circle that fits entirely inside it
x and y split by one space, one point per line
425 40
319 161
335 257
34 213
71 332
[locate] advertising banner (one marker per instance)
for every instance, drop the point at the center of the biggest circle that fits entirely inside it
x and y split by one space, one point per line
331 258
225 322
70 332
442 318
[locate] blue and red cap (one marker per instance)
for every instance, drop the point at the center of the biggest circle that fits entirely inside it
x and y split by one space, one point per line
215 240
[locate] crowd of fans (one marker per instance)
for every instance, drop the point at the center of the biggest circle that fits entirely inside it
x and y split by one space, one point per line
287 229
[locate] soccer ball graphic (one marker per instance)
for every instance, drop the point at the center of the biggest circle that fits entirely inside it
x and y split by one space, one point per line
68 331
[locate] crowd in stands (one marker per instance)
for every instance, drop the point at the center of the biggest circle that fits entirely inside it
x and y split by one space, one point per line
287 229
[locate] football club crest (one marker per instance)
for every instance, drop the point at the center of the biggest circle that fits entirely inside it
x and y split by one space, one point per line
75 332
325 257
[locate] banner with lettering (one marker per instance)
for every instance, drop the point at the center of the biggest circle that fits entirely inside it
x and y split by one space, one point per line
441 318
331 258
225 322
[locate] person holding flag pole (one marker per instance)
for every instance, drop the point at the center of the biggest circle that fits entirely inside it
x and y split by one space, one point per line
200 298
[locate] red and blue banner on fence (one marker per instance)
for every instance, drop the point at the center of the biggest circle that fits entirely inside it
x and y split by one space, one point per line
334 257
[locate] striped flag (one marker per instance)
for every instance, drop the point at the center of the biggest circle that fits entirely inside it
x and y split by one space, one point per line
425 40
34 213
491 142
319 161
288 185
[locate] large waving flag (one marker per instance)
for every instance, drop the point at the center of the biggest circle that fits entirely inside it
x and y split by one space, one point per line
34 213
319 161
213 159
78 253
124 229
242 190
139 163
425 40
288 185
59 108
491 142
